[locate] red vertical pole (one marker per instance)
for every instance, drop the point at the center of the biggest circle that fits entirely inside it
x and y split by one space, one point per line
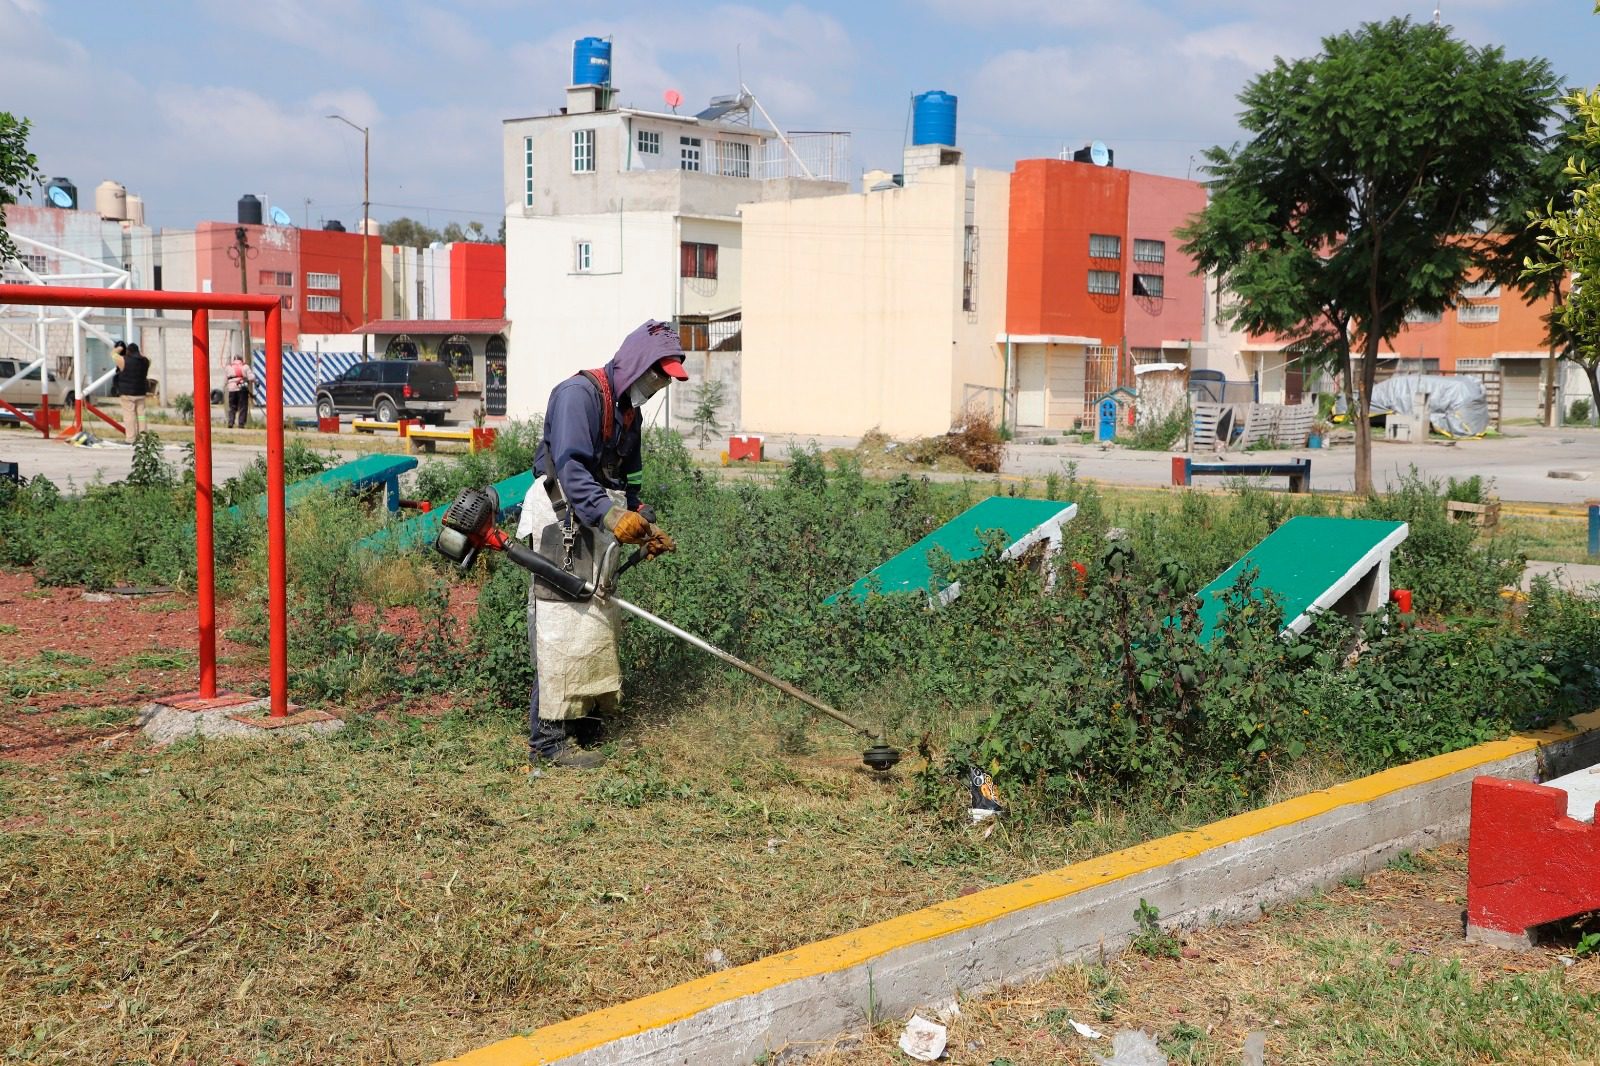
277 569
205 564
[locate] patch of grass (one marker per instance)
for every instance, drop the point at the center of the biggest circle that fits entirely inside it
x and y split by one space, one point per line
163 606
96 717
158 660
49 671
7 629
1552 538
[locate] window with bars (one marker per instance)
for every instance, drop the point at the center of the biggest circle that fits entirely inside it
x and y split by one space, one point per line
583 151
649 142
1481 290
1149 251
276 277
527 172
1423 318
322 303
733 159
1104 246
698 260
1478 313
1152 285
1105 282
689 153
322 281
582 257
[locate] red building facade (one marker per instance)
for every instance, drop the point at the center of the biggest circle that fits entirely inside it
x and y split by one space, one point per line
1095 284
317 272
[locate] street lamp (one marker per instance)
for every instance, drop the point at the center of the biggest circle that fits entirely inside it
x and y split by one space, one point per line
366 205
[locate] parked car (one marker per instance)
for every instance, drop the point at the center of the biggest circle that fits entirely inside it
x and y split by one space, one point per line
24 392
388 390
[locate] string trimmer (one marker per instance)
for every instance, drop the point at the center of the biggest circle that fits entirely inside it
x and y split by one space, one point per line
467 527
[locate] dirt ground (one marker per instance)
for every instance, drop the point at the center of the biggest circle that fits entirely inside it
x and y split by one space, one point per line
75 666
1373 971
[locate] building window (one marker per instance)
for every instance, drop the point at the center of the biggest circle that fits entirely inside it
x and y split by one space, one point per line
1152 285
1481 290
527 172
288 303
1142 356
699 260
649 142
1103 246
694 334
322 281
1478 313
1423 318
1105 282
733 159
689 153
283 278
969 270
582 257
322 303
1148 251
583 151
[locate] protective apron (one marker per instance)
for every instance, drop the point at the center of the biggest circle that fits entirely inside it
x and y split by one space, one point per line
574 644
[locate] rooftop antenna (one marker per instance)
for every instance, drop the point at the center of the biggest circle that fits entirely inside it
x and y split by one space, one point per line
1437 18
745 90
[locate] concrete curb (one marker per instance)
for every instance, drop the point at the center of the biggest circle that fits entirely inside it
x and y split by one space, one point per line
1226 870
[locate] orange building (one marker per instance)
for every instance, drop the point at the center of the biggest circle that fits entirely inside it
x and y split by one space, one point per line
1490 331
1095 284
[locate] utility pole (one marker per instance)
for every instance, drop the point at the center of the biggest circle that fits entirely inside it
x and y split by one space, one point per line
366 211
241 251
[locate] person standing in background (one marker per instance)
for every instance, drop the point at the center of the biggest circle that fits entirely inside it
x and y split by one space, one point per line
132 385
237 387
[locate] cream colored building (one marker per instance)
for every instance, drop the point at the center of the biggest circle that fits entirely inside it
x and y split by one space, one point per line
615 215
877 309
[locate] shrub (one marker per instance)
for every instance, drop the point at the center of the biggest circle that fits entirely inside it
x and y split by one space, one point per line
1580 411
1159 436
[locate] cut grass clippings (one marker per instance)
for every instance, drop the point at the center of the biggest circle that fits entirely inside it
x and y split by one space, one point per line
401 893
1374 972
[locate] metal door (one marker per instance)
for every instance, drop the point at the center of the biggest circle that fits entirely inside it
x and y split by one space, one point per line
1030 386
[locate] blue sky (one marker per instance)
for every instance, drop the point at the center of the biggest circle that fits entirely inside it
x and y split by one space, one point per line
191 104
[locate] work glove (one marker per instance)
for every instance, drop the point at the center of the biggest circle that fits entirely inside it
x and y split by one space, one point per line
659 543
647 513
629 528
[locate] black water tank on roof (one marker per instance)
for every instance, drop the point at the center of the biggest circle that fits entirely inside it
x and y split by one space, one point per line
333 225
249 210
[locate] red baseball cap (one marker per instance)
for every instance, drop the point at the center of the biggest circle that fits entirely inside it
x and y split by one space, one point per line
672 366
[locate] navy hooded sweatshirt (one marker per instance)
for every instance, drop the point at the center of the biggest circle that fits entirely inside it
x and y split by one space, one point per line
585 465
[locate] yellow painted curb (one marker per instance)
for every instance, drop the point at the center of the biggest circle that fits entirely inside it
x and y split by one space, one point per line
589 1031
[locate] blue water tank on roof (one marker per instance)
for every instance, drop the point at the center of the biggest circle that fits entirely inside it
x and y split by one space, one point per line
933 118
591 61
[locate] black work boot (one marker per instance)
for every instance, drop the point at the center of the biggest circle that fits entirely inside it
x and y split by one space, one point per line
551 743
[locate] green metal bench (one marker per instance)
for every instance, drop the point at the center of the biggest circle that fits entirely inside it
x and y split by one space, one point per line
370 471
419 530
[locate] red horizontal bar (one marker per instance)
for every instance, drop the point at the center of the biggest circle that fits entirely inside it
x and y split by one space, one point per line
63 296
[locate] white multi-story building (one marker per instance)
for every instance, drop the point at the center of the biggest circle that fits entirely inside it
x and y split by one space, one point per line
616 215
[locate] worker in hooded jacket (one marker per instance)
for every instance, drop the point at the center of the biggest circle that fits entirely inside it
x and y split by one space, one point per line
585 497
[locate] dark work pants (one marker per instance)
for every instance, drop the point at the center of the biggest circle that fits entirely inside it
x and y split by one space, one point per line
239 408
546 739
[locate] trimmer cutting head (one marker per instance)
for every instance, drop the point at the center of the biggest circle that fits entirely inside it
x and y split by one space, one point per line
881 757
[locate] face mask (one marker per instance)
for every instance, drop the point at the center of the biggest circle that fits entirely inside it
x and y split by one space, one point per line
652 382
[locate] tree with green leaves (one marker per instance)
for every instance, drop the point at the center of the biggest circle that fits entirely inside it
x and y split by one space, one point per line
19 171
408 233
1567 232
1364 192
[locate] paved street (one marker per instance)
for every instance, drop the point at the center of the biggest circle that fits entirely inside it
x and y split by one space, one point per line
1519 463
